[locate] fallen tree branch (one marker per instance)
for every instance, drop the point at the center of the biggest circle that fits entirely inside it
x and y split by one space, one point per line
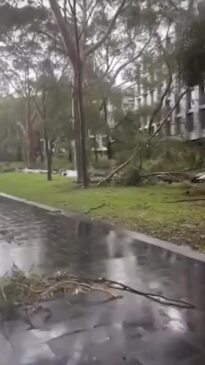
95 208
31 291
155 173
119 168
161 299
187 200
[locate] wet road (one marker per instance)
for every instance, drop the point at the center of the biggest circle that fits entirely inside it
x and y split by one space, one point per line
131 330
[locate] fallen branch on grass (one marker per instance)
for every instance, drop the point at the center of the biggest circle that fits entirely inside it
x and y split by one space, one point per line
187 200
131 158
173 172
118 169
95 208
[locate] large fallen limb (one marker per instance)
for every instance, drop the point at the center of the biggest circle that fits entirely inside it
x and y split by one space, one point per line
187 200
155 173
118 169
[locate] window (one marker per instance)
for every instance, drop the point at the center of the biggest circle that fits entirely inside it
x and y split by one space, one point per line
104 140
190 122
159 91
168 127
167 102
188 100
139 88
177 125
202 118
201 95
152 96
145 99
178 106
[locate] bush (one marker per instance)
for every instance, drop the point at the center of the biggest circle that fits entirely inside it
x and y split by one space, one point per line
172 155
61 163
130 176
11 166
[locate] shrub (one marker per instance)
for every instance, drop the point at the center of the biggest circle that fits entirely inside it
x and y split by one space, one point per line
61 163
11 166
130 176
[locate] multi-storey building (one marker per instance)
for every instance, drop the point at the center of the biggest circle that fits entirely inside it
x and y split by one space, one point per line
187 121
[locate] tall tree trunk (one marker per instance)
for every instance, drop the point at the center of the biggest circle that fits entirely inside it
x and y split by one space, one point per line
48 146
79 76
29 142
109 143
76 124
49 166
49 154
81 121
72 46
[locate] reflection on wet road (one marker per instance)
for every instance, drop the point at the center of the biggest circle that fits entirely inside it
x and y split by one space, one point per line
131 330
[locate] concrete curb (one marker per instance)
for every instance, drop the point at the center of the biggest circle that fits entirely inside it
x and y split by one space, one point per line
172 247
168 246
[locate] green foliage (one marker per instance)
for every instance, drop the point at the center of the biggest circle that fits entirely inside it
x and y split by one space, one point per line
126 131
11 166
12 119
169 155
130 176
12 18
61 163
129 136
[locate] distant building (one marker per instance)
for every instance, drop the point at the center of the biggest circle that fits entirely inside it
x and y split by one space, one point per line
187 121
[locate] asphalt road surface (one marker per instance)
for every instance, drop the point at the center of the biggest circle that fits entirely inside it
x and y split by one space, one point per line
86 329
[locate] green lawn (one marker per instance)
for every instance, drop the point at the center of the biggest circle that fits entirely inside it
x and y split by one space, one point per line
145 209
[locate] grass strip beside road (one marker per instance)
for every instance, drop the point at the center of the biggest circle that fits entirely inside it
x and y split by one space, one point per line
145 209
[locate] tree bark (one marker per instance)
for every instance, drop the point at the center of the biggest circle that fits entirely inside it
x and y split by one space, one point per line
76 124
48 146
72 46
48 159
29 136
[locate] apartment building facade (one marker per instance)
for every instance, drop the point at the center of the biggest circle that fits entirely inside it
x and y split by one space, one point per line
187 121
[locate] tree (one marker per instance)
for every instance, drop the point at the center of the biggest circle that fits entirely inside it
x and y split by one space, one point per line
75 21
88 28
17 62
12 147
48 98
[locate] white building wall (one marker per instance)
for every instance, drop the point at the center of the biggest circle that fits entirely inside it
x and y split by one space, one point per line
145 98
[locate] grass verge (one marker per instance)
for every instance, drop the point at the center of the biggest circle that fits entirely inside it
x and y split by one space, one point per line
146 209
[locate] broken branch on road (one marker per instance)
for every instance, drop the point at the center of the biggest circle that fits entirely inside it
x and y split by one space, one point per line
31 291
